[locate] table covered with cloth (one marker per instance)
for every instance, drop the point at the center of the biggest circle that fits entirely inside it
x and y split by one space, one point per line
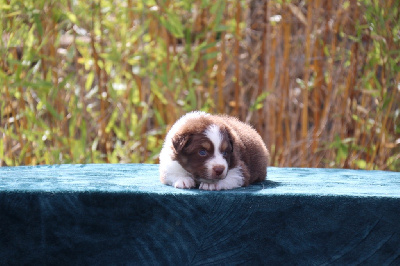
121 214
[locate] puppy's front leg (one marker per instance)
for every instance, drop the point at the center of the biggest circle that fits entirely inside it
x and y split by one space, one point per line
173 174
184 182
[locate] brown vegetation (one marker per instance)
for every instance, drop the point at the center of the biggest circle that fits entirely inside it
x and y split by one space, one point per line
101 81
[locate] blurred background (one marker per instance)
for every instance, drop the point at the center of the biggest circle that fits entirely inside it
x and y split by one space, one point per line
102 81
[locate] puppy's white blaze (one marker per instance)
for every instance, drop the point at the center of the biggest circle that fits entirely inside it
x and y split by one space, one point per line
213 133
233 179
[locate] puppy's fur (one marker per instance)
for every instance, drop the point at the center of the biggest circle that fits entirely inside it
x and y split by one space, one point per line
213 151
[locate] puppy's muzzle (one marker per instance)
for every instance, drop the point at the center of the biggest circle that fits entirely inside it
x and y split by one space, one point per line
218 170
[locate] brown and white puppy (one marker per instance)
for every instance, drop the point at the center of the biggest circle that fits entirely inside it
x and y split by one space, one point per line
213 151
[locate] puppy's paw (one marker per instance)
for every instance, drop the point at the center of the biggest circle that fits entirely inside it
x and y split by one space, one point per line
218 186
208 186
184 182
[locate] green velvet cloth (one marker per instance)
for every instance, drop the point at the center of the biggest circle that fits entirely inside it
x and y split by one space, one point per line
121 214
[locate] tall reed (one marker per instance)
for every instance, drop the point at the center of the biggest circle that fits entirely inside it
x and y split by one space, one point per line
102 81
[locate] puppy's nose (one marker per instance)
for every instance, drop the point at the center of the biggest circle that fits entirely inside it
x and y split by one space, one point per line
218 169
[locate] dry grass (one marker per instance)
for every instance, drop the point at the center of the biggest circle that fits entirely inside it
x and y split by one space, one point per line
101 81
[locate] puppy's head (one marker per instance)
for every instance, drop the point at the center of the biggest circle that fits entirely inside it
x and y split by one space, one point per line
204 152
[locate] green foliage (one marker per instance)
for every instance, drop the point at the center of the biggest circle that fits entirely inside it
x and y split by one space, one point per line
102 81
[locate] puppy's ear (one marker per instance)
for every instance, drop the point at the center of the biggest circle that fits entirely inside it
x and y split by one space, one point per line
179 141
233 160
230 139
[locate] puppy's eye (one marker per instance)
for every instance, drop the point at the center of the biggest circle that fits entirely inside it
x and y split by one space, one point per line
224 153
202 152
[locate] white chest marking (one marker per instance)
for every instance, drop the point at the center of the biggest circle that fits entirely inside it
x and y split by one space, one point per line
233 179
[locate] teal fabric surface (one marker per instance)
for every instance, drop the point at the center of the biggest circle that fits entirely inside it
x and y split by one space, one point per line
122 214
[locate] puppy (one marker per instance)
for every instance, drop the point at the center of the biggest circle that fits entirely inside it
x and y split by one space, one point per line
213 152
